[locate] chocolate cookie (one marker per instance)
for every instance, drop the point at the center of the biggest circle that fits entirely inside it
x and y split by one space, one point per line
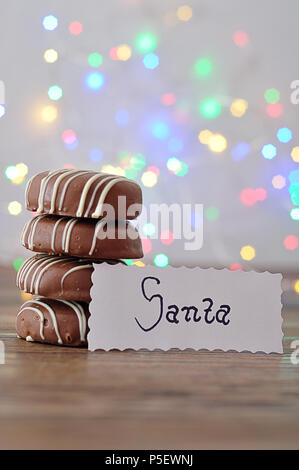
53 321
57 277
82 193
85 238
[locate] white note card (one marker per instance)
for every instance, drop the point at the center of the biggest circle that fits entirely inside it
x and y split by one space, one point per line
162 308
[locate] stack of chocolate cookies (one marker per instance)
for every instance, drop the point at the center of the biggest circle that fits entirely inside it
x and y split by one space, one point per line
79 221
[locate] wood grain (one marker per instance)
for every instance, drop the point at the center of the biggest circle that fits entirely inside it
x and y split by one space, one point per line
60 398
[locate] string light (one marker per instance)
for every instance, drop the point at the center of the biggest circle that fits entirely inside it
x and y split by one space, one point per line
239 107
146 42
184 13
291 242
210 108
75 28
284 134
203 67
269 151
50 56
217 143
295 154
49 113
149 179
247 252
14 208
123 52
95 59
95 80
161 260
151 61
55 92
50 22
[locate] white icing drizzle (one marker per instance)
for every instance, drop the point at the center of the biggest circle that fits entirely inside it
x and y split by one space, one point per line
33 226
67 234
54 233
70 271
52 314
102 198
75 306
28 185
78 309
30 265
56 186
86 188
47 263
43 186
42 319
29 339
94 240
94 193
24 231
66 186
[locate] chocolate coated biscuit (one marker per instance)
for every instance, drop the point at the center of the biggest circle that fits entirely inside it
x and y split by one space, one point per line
81 193
51 321
85 238
57 277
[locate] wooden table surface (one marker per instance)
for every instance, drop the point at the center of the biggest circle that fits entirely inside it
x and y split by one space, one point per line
60 398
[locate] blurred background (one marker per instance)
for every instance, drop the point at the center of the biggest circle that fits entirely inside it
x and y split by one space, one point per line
192 100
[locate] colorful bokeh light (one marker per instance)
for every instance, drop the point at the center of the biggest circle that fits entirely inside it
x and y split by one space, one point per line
149 179
151 61
161 260
278 181
14 208
149 229
269 151
160 130
50 56
55 92
291 242
217 143
146 43
50 22
49 113
294 213
75 28
175 145
247 252
284 135
295 154
239 107
2 110
272 95
95 59
274 110
203 67
212 213
210 108
184 13
240 38
95 80
123 52
168 99
167 237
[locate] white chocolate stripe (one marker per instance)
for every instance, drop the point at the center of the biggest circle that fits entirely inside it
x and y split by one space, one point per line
76 268
54 233
32 230
86 188
66 186
35 282
42 319
67 234
28 185
24 231
30 267
102 198
96 230
56 186
78 309
43 186
94 193
53 316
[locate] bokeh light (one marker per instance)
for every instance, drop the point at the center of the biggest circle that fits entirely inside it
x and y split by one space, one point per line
113 170
291 242
278 181
217 143
240 38
212 213
284 134
184 13
295 154
294 213
272 95
14 208
210 108
18 263
146 245
248 196
69 136
75 28
247 252
50 56
160 130
161 260
50 22
123 52
175 145
149 229
95 155
240 151
236 267
204 136
203 67
174 165
55 92
95 80
149 179
146 42
183 170
274 110
296 286
113 53
168 99
269 151
239 107
2 110
151 61
122 117
49 113
16 173
167 237
95 59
